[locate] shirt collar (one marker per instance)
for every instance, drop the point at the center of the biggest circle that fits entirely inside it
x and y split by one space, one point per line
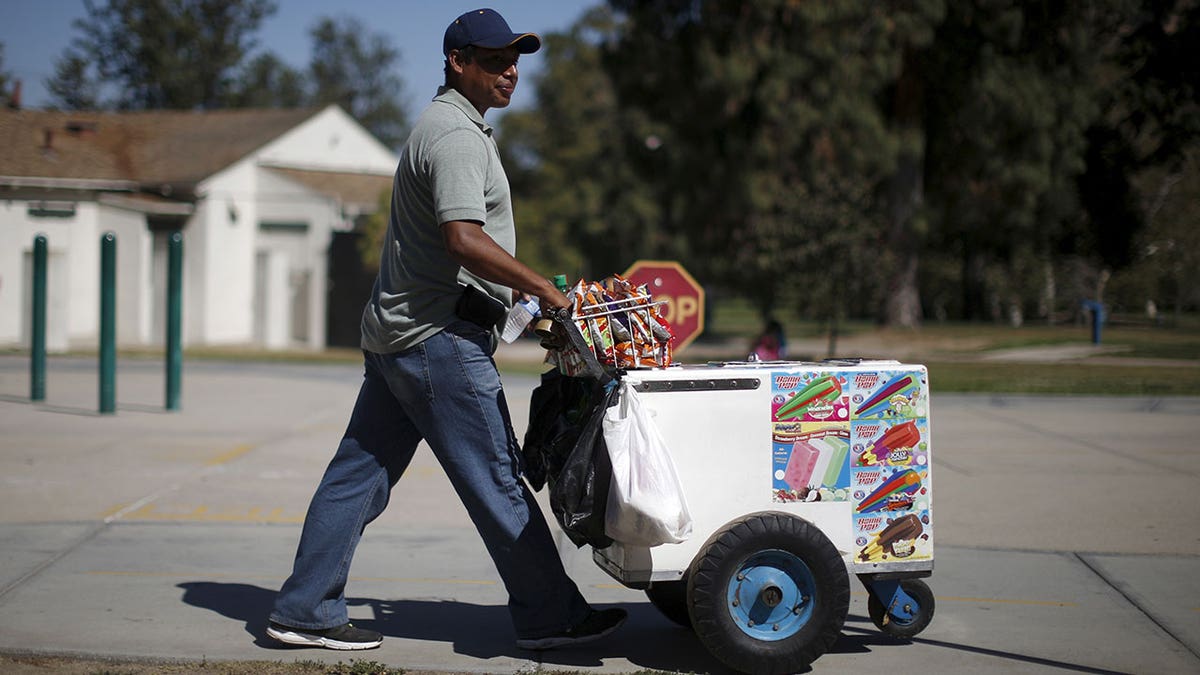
455 98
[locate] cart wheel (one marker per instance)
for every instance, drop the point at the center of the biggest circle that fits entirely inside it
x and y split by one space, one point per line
769 594
904 627
670 598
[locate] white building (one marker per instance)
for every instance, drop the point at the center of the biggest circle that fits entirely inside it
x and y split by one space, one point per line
257 195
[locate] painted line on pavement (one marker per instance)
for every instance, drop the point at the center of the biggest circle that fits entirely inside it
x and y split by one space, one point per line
146 509
143 508
230 455
997 601
1042 603
118 512
259 577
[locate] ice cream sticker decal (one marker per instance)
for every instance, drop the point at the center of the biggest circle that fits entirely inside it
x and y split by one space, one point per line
859 438
809 397
890 443
891 518
885 395
904 537
813 464
896 493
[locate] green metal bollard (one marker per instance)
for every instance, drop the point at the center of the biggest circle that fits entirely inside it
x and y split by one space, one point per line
37 348
174 317
108 323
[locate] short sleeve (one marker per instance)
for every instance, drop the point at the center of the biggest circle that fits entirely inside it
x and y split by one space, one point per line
458 176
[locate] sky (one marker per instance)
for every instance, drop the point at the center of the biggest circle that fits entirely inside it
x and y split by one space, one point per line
36 32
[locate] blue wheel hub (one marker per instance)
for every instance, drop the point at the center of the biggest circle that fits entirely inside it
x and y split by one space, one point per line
770 597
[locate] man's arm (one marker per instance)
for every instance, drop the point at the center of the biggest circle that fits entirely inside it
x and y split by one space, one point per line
471 247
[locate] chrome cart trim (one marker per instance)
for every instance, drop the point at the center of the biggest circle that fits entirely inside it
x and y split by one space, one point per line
657 386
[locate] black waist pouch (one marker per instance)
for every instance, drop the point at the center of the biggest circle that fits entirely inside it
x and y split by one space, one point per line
479 308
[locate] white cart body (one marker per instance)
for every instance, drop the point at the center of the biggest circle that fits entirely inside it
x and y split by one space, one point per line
743 444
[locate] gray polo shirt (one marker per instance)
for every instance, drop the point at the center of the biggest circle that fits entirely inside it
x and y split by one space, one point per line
449 170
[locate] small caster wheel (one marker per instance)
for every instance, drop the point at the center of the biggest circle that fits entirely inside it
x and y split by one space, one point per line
916 614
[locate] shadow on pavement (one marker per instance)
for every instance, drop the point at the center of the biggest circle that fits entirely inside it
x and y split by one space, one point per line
241 602
863 639
479 631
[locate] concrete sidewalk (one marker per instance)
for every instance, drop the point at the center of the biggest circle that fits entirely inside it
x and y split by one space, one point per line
1066 534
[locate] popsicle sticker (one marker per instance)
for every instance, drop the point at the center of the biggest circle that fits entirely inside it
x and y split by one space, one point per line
896 493
895 398
820 392
813 465
837 463
898 539
891 447
801 464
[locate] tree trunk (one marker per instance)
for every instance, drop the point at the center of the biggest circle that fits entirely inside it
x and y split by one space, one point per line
904 297
902 304
974 285
1049 292
834 327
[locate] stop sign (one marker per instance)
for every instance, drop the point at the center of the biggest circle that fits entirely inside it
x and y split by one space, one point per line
670 283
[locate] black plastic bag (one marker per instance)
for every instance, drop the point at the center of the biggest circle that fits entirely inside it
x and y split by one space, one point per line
564 449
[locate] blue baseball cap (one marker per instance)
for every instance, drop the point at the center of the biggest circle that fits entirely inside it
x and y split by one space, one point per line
486 28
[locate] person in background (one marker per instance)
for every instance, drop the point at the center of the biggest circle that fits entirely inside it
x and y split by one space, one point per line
447 276
771 345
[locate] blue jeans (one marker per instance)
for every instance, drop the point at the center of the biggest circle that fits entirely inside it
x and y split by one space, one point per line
446 391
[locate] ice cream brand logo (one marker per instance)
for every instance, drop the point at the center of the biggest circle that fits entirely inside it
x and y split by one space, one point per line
904 548
787 429
867 478
867 431
866 381
869 524
787 381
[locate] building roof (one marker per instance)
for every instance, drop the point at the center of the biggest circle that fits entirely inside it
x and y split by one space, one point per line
149 148
358 190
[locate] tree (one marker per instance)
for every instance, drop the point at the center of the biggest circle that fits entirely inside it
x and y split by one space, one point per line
1150 116
268 82
186 54
72 87
5 94
1011 90
581 205
161 53
1171 241
355 69
780 150
904 192
859 158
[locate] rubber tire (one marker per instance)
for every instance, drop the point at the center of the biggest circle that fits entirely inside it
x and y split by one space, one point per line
670 598
717 564
920 591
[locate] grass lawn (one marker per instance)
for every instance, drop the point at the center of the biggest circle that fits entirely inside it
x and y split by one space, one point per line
1063 378
1134 358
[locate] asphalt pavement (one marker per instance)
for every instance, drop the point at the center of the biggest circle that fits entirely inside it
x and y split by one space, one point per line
1066 534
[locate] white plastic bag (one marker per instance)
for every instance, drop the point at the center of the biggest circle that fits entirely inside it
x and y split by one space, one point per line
646 503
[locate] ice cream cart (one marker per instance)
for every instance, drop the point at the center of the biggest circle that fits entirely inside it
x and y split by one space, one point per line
797 475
